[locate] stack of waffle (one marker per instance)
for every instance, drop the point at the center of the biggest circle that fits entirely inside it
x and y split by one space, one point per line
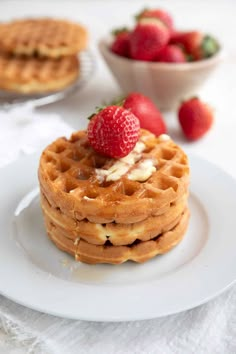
102 210
39 55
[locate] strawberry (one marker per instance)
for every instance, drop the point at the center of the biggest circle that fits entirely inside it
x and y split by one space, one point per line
162 15
149 116
197 44
195 118
113 131
171 54
121 44
147 39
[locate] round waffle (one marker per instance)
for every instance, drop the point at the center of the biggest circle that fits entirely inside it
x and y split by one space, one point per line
28 75
69 179
42 36
117 234
137 252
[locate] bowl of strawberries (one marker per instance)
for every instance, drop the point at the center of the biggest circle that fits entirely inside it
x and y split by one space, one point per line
159 61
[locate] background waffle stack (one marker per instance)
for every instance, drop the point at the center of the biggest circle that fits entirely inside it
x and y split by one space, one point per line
102 210
39 55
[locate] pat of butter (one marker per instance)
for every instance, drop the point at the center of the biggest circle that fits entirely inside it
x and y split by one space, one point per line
143 171
121 166
164 137
87 198
119 169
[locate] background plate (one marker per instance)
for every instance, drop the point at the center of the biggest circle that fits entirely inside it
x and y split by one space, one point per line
87 68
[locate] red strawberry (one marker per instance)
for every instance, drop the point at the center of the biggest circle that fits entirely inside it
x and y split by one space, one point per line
195 118
121 43
147 39
113 131
149 116
197 44
171 54
162 15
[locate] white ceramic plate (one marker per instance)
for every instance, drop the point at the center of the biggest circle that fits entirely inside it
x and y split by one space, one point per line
34 273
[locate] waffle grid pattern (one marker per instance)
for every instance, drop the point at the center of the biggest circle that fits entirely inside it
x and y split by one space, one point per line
40 55
68 180
37 74
100 221
42 36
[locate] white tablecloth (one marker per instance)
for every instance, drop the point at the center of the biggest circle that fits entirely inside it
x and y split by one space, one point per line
210 328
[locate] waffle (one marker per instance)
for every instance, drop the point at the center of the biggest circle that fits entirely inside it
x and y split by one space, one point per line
43 36
137 252
69 176
37 75
117 234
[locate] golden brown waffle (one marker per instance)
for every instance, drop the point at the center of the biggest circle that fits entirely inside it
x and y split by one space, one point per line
137 252
42 36
117 234
37 75
69 180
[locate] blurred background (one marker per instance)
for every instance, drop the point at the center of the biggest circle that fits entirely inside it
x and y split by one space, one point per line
216 17
101 16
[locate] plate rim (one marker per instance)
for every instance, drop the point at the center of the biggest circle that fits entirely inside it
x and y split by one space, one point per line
109 318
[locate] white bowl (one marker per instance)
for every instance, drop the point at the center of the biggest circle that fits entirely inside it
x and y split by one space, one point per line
165 83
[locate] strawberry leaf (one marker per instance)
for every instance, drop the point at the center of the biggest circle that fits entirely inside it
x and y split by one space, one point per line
97 110
140 14
117 31
118 101
189 57
209 46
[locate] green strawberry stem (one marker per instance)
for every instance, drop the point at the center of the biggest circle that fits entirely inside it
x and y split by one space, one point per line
189 57
209 46
117 31
139 15
119 101
97 110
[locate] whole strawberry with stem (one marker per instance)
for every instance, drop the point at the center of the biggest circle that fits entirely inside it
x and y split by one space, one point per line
148 38
172 54
197 44
121 43
143 108
113 131
195 118
160 14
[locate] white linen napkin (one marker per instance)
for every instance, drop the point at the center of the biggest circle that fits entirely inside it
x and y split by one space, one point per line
24 131
210 328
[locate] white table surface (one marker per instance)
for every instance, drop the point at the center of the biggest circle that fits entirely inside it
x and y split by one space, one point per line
100 16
